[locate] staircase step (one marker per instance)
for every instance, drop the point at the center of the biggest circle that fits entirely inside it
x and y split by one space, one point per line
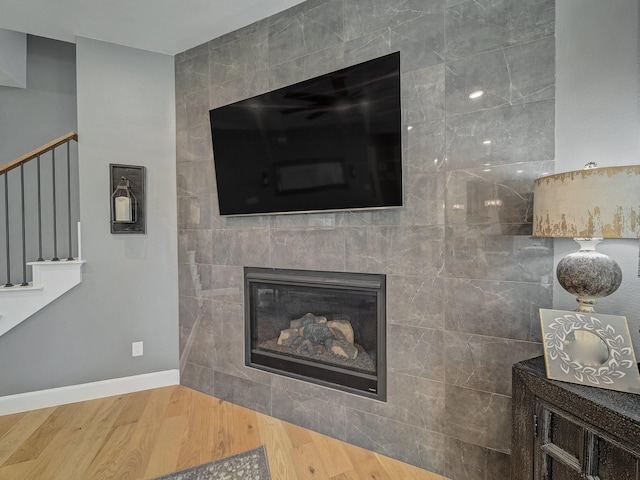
50 281
17 288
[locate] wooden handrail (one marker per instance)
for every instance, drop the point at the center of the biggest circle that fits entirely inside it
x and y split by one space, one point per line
38 151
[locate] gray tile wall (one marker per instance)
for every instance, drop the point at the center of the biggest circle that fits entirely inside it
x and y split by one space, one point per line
464 280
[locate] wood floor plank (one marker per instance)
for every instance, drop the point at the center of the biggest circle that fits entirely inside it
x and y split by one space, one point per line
246 434
101 412
84 445
221 434
366 465
164 457
395 468
138 451
350 475
307 463
181 399
106 463
145 434
38 440
109 411
333 454
21 431
135 405
53 455
8 421
278 446
206 439
198 439
84 413
17 470
297 435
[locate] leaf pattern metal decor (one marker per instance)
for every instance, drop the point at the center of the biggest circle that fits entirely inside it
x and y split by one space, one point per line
589 349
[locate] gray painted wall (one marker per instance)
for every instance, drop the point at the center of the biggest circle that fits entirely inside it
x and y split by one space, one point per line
46 109
126 114
13 58
598 119
465 281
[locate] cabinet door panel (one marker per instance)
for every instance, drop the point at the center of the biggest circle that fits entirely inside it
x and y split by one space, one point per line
565 434
615 463
560 471
561 444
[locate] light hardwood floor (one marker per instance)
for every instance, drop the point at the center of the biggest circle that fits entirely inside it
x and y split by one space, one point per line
154 432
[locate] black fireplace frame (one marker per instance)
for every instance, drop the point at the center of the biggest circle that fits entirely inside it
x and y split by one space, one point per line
367 385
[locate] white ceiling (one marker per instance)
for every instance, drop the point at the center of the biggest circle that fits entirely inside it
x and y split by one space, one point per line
164 26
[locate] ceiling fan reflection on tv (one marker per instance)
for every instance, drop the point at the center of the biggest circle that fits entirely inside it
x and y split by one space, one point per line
318 105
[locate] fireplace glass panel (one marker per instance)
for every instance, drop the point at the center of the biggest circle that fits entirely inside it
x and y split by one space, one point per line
323 327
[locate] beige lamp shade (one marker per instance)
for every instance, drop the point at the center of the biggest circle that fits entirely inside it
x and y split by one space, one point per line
589 203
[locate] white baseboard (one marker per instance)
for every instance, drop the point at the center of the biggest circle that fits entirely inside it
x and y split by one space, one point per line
22 402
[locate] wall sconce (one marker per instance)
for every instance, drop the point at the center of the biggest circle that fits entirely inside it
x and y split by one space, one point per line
588 205
127 199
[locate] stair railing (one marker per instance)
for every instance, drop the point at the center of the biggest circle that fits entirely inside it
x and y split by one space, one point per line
15 206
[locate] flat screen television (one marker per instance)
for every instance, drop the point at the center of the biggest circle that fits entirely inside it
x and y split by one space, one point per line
329 143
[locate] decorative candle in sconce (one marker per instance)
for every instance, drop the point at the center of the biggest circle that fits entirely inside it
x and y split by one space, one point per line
128 199
123 209
124 203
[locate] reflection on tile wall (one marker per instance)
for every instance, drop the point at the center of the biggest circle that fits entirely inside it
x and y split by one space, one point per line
465 281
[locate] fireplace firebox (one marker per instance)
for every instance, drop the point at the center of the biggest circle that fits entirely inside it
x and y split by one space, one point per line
327 328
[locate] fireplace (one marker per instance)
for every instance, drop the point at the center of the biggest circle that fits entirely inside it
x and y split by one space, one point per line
326 328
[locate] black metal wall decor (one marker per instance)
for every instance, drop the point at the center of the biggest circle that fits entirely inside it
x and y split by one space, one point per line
128 200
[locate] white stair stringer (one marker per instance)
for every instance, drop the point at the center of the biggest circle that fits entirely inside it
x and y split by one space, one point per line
50 281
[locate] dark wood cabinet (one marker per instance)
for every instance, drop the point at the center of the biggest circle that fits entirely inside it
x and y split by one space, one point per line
564 431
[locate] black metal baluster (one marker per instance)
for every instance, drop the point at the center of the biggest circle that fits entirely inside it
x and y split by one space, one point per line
40 259
6 213
24 246
55 229
70 257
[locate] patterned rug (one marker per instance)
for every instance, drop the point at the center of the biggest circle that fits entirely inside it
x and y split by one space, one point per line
251 465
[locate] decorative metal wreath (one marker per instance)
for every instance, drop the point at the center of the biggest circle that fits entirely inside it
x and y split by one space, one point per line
619 355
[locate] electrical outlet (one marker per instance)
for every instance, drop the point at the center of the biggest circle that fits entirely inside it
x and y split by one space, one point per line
136 349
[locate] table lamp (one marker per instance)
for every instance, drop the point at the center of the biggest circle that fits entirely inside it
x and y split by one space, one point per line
588 205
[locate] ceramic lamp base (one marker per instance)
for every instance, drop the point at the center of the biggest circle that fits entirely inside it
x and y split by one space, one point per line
589 274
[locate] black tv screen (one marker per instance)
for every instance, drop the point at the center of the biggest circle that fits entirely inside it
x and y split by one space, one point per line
328 143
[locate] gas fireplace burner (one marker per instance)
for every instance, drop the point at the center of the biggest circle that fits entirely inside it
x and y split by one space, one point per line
323 327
